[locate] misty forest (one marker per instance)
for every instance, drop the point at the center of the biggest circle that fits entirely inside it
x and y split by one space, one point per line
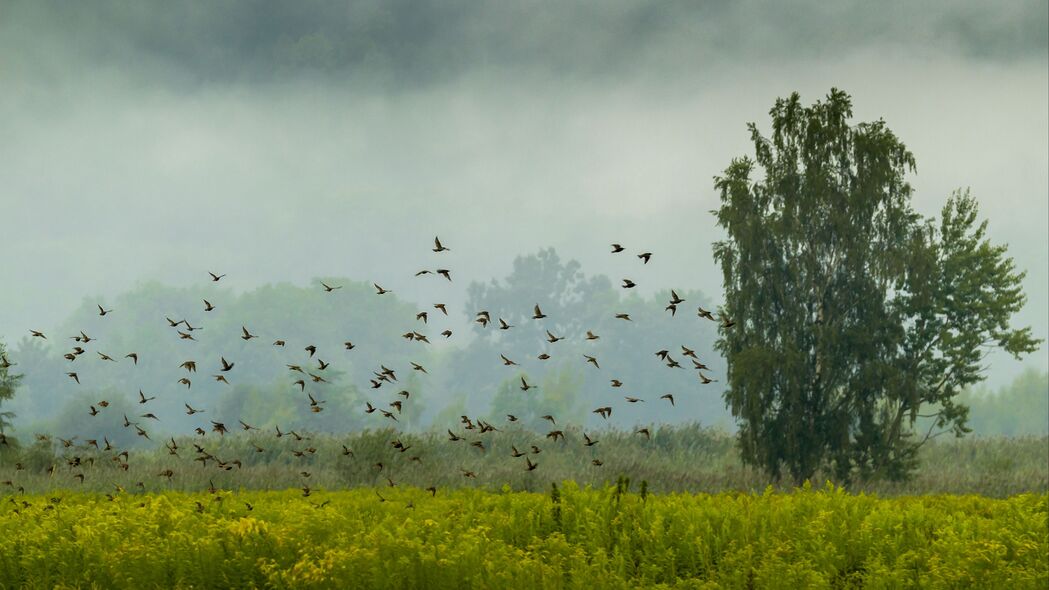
397 294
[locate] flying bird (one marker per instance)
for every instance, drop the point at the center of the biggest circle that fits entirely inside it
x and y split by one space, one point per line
437 247
538 313
207 305
103 312
246 334
616 248
328 288
646 256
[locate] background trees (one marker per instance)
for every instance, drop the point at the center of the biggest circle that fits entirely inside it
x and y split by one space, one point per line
852 312
8 383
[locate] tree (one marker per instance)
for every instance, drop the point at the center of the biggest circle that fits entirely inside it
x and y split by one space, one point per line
851 311
8 384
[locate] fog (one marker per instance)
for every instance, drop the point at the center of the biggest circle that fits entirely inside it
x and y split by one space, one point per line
142 142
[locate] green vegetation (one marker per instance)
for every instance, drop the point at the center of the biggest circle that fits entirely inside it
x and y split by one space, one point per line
675 459
609 537
852 314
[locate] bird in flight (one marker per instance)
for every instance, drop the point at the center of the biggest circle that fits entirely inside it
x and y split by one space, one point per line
379 290
437 247
538 315
628 284
646 256
328 288
214 277
246 334
208 306
616 248
668 397
103 312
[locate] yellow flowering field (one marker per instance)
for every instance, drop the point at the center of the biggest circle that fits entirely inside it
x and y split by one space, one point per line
567 538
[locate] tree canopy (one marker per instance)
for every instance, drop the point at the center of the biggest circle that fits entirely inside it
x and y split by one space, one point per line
852 312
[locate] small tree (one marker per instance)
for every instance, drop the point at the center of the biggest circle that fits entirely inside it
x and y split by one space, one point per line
8 384
851 311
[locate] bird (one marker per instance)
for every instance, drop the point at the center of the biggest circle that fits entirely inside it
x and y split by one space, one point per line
591 336
616 248
525 386
311 349
328 288
553 339
705 380
438 247
623 316
214 277
550 418
190 366
207 305
447 333
190 410
597 462
604 412
422 272
444 272
349 345
688 352
507 361
143 399
246 334
672 308
529 466
417 367
633 400
516 453
675 299
555 434
616 383
668 397
221 378
186 336
133 356
379 290
503 325
93 411
592 361
726 323
422 315
74 377
646 256
226 365
37 334
538 313
628 284
703 313
589 441
645 432
103 312
105 357
278 343
441 307
543 357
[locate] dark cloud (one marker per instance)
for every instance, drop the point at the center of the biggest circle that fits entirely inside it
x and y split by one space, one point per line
406 42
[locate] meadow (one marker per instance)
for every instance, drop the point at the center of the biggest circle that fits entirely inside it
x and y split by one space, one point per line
566 537
676 459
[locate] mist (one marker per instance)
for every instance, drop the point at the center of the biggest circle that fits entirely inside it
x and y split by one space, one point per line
145 143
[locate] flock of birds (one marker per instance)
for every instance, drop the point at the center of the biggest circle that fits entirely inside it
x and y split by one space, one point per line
309 374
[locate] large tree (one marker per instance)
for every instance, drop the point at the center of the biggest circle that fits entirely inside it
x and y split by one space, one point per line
852 312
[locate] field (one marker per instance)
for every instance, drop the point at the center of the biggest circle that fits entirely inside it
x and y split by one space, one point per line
675 459
566 538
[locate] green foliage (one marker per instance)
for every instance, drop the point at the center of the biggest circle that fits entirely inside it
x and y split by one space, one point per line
852 312
568 538
9 382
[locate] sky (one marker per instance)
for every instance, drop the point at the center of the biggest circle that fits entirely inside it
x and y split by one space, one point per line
144 141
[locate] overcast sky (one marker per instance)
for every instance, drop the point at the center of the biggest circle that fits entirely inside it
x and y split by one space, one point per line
144 141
